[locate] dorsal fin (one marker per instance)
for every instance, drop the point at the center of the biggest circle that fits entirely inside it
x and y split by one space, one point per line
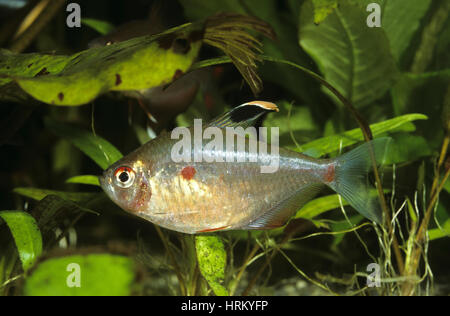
244 115
281 213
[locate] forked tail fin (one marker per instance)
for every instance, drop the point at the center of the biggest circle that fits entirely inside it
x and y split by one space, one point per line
351 180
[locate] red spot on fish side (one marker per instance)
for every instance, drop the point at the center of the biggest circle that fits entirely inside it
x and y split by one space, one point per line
61 96
329 174
209 230
188 172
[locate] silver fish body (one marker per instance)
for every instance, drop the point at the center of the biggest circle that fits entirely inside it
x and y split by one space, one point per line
203 196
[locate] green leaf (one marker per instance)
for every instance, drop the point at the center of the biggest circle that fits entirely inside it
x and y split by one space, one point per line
86 179
320 205
212 259
103 27
332 143
300 122
443 231
53 211
39 194
400 24
407 147
99 275
323 8
344 225
27 236
351 56
447 185
138 63
95 147
407 83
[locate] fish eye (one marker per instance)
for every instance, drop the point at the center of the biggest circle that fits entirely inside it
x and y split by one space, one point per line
124 177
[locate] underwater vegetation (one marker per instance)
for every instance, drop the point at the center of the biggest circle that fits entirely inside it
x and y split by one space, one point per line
355 96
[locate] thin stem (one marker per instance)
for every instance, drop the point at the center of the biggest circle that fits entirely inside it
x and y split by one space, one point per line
244 266
50 9
172 259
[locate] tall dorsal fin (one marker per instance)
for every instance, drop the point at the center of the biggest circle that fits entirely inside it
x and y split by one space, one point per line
244 115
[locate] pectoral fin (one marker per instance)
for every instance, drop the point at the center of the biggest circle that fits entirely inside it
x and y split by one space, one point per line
281 213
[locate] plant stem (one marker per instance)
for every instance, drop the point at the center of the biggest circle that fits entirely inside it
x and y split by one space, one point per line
50 9
244 266
411 269
173 261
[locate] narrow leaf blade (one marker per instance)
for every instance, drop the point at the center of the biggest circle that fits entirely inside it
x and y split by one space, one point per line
97 148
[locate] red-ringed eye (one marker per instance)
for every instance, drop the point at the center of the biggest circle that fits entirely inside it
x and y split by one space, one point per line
124 177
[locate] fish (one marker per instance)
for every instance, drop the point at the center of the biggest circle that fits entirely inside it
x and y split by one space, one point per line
204 195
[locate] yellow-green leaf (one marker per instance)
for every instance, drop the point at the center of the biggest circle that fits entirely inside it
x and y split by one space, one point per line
319 206
138 63
89 275
103 27
323 8
26 234
212 259
87 179
332 143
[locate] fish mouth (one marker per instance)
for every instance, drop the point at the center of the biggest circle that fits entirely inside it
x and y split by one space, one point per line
102 181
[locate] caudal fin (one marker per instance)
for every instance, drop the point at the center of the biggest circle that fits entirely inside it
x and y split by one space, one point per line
351 180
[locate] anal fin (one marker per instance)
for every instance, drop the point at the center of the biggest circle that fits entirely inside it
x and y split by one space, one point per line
280 214
210 230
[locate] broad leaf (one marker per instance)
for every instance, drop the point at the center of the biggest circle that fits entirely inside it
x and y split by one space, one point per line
351 56
402 91
407 147
77 275
323 8
138 63
27 236
400 24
